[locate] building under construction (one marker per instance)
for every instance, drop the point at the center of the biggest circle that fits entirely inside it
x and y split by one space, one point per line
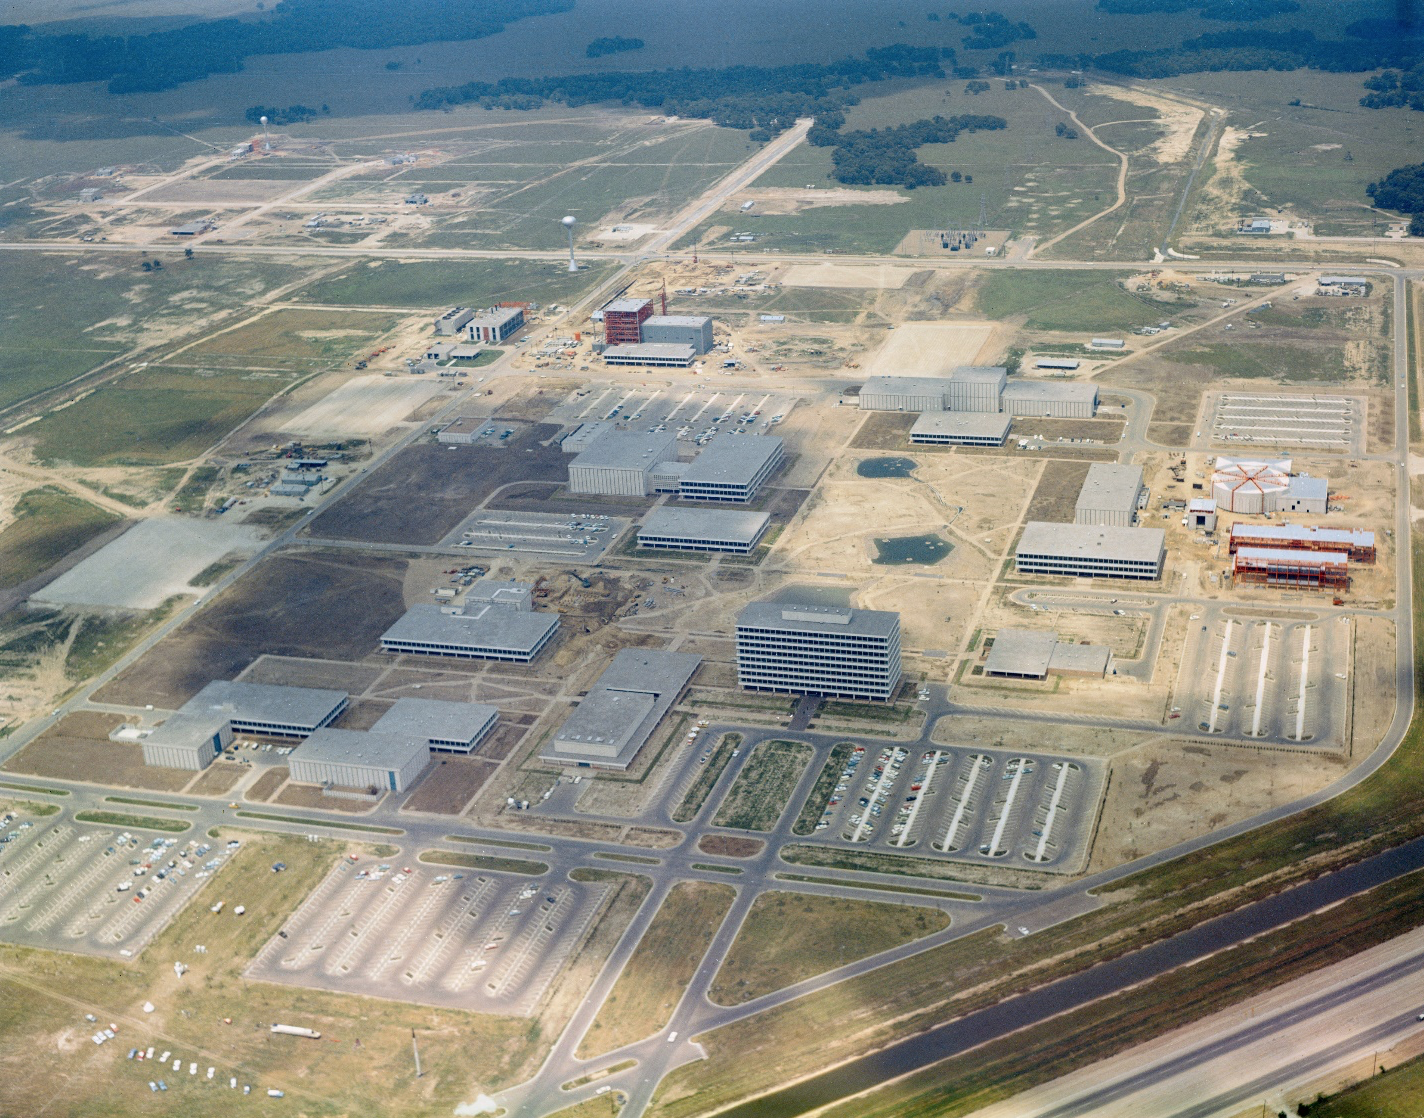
1311 570
1353 543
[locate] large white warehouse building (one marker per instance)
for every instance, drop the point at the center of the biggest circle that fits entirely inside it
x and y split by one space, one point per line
973 388
621 463
1110 495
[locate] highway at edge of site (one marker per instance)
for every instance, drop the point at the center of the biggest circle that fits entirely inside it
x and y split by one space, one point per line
694 1012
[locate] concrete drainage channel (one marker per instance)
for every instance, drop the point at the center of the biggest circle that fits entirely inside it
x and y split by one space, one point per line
988 806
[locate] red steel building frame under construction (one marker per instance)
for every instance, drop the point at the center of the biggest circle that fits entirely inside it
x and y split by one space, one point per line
1281 567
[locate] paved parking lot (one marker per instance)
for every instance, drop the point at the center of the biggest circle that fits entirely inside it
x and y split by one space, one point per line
577 537
1276 681
693 415
1271 422
437 936
979 805
100 890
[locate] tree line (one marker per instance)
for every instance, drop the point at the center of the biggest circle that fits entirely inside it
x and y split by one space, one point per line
164 59
612 44
887 156
1239 11
765 99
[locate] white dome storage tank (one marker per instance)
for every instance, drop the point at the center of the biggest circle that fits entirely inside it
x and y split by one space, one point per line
1249 488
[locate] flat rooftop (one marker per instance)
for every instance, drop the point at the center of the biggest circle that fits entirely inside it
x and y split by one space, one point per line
626 450
361 747
711 525
436 720
1300 533
480 626
1023 652
731 459
965 424
988 374
627 306
824 620
1294 555
1092 541
674 351
465 425
695 320
266 703
1110 486
620 712
1050 390
905 386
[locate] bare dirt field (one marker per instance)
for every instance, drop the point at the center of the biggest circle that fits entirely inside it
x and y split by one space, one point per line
363 407
311 795
266 784
288 671
449 785
218 779
1166 791
1373 683
1056 496
929 348
1179 120
284 607
504 737
217 191
1008 733
791 199
884 430
78 748
1177 389
881 276
451 483
1104 430
730 846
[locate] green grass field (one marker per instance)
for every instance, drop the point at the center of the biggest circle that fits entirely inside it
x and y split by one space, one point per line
141 822
1397 1093
299 338
707 776
759 795
1068 301
49 525
1289 363
151 417
787 937
483 862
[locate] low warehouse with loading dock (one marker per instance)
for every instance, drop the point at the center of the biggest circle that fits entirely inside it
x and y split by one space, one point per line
1028 654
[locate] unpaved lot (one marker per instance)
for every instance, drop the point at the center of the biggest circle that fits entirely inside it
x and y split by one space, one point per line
881 276
930 348
363 407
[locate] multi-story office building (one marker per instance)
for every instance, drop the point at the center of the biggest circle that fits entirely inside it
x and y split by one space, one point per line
731 468
818 650
1090 551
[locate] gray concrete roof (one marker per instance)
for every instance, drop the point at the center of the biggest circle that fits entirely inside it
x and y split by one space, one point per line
839 620
626 306
429 720
1020 652
627 450
704 524
1302 486
1099 541
1110 486
904 386
361 747
1050 390
620 712
488 626
983 424
1090 658
265 702
732 459
984 373
676 320
676 350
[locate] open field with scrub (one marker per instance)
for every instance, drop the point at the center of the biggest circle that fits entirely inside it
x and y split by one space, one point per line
49 523
650 986
760 793
440 283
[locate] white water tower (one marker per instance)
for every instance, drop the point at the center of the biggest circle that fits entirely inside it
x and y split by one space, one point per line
569 223
266 139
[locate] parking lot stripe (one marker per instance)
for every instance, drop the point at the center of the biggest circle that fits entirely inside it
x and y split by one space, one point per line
1261 682
1220 677
1304 678
924 791
976 768
1007 809
1063 771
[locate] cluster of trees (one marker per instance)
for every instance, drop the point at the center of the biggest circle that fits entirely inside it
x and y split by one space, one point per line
1394 88
1062 130
1402 190
612 44
886 156
1240 11
292 114
1260 50
164 59
995 31
765 99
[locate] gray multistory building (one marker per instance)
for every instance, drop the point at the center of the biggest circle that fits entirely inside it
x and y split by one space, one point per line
1110 495
621 463
731 468
679 329
819 650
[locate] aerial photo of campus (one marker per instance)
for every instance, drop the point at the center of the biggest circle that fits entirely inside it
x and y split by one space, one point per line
824 557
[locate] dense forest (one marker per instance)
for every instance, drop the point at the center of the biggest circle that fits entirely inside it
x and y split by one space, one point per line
292 114
767 99
886 156
1247 49
1239 11
612 44
1402 190
1394 88
164 59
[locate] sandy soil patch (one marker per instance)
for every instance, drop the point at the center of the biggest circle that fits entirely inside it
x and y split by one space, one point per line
151 562
624 231
930 348
219 191
363 407
1179 120
790 199
882 276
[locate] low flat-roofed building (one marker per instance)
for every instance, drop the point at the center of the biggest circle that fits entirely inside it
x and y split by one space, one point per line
679 329
478 632
1109 495
452 321
667 476
1055 399
501 592
467 351
495 325
1066 364
583 436
618 715
961 428
359 759
819 650
270 710
1310 495
731 468
1343 281
903 394
1201 513
439 351
462 431
661 355
445 727
188 740
621 463
1090 551
1029 654
675 529
1107 343
1353 543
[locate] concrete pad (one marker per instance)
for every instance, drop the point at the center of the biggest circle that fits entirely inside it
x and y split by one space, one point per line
930 348
149 563
363 407
883 276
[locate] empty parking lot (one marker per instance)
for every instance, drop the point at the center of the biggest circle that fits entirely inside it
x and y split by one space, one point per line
1326 423
570 536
